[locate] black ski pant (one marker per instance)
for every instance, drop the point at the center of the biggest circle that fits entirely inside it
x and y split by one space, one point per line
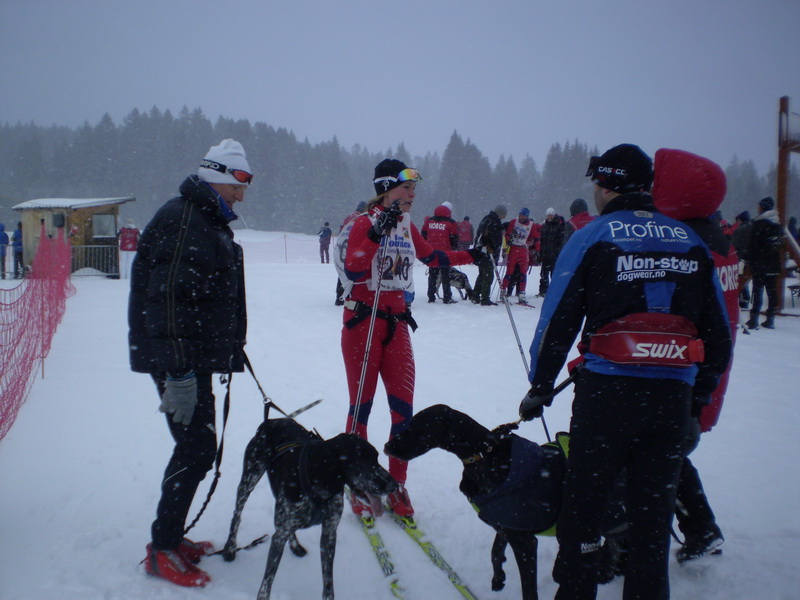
434 273
483 283
545 274
695 517
192 457
630 423
19 266
769 283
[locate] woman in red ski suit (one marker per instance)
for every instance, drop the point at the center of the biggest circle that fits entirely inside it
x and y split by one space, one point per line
388 225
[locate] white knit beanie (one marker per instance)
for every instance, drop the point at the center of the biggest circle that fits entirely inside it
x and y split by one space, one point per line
228 154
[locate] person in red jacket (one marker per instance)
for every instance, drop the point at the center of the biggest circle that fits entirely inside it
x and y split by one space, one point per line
520 236
379 263
128 243
691 188
441 232
466 234
579 218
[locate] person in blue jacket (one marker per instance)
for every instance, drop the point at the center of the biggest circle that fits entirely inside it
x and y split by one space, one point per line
655 334
3 247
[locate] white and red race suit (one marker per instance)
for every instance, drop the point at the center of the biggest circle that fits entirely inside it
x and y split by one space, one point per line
520 238
390 354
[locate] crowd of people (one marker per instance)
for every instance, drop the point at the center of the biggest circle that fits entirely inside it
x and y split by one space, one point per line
655 261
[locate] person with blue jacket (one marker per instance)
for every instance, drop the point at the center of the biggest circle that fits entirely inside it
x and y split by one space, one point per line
3 246
655 337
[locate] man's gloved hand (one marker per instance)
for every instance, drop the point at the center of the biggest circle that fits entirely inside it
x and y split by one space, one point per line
532 405
479 256
180 397
385 221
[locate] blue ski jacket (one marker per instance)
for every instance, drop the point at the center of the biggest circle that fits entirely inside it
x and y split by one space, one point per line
632 259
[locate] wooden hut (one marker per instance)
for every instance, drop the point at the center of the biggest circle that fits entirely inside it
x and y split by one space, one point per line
90 224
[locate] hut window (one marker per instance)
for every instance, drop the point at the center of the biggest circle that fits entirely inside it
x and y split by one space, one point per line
104 226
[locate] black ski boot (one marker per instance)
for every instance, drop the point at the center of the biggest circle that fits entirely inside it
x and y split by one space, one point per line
752 323
695 546
769 323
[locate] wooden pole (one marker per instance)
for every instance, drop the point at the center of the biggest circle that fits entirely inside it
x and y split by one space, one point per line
783 186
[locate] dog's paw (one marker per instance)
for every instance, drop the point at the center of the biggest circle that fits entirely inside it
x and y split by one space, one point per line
228 554
498 582
296 547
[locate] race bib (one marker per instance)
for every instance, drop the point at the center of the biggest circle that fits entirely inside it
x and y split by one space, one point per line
393 263
520 233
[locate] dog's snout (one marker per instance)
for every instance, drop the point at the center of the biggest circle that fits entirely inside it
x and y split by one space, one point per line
390 484
376 481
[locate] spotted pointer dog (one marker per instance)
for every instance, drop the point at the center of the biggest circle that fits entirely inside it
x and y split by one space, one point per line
307 475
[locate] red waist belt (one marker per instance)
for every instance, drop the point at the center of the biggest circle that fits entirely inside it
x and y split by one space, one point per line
649 339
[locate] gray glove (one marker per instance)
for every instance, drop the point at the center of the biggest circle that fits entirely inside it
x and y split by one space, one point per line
180 398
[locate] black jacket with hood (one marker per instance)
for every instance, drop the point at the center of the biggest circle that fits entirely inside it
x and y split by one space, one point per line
187 306
766 240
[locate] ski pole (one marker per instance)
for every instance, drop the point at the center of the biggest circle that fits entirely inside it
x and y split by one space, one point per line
516 335
504 298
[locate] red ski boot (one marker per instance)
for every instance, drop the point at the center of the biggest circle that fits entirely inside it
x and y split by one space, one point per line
400 503
174 567
194 551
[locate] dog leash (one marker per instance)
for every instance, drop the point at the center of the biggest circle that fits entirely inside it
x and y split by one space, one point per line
268 403
226 406
226 380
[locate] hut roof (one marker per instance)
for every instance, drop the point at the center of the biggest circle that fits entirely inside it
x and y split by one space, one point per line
70 203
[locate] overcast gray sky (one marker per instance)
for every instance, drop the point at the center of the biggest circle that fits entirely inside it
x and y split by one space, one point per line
512 76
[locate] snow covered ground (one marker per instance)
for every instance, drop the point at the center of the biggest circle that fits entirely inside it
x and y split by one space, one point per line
80 469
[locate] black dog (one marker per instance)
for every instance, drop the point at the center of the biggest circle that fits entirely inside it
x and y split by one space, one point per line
307 476
515 484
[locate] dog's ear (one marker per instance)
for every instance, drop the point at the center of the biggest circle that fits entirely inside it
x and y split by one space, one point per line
351 447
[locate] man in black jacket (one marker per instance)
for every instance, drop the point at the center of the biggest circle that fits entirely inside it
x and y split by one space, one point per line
187 320
763 256
552 237
489 238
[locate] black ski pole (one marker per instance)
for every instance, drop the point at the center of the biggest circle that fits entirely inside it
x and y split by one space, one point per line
516 336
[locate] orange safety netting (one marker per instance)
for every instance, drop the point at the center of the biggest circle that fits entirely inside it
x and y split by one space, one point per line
29 316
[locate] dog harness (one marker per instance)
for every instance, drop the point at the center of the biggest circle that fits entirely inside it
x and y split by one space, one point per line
529 498
306 486
364 310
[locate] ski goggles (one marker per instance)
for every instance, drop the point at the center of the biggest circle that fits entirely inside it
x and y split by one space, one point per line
402 176
238 174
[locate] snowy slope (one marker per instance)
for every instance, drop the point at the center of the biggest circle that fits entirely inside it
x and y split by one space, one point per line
80 469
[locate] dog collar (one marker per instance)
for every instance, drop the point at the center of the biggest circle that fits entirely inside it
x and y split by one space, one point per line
471 460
